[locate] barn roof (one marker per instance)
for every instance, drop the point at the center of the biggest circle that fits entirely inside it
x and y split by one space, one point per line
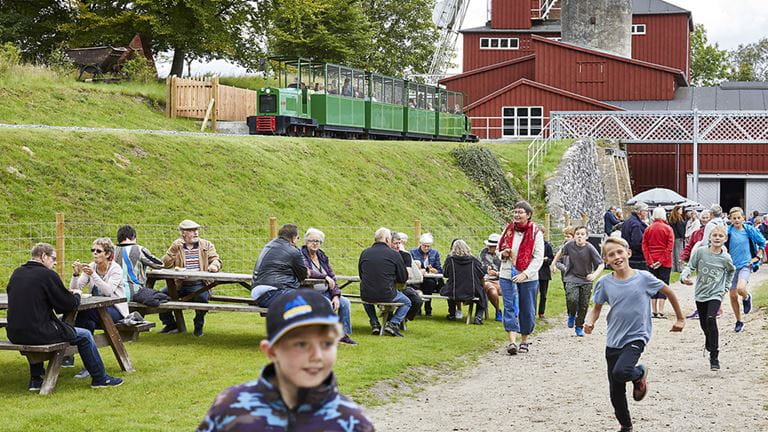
742 96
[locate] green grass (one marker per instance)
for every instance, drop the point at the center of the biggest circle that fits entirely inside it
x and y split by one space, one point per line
248 82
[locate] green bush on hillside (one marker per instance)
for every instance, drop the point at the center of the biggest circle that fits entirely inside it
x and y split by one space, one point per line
482 166
9 58
139 69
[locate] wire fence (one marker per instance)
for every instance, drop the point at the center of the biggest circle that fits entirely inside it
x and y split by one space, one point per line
237 245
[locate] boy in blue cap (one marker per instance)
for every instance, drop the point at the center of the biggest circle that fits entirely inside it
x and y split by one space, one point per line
297 390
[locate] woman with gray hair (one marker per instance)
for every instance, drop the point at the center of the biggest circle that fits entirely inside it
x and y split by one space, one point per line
319 267
465 276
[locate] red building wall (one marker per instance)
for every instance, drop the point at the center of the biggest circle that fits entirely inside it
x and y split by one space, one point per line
511 14
579 72
479 84
666 42
475 58
524 95
658 165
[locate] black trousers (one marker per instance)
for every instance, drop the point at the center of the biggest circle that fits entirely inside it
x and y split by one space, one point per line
416 302
708 322
622 368
543 285
428 287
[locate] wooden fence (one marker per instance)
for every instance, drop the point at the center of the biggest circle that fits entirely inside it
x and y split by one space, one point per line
205 98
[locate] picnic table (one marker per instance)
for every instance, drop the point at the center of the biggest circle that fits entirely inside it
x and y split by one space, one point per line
111 337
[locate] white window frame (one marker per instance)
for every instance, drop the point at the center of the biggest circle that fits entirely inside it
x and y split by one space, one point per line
510 43
516 122
638 29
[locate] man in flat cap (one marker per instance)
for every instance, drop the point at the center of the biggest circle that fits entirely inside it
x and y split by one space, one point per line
192 253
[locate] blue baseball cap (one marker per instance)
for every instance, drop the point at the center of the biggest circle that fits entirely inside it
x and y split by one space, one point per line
298 308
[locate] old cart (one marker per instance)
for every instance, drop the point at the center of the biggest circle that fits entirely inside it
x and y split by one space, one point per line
98 60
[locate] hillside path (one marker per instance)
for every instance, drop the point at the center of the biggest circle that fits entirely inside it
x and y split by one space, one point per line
561 384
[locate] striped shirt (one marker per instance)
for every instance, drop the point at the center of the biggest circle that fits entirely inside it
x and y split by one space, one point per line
192 258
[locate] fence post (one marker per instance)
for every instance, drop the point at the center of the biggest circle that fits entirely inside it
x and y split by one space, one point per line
584 218
417 228
547 226
215 95
567 219
60 244
272 227
168 96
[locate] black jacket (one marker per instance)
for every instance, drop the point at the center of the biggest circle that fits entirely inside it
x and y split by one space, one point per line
34 293
464 278
549 254
380 268
280 265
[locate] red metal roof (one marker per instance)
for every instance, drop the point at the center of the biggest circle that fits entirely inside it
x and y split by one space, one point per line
547 88
529 57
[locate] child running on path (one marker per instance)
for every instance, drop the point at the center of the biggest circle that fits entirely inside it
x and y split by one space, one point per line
628 292
715 270
584 266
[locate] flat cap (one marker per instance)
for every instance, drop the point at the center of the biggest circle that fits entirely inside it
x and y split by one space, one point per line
187 224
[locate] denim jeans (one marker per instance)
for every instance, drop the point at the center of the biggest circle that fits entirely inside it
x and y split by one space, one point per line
86 346
167 317
511 298
269 297
345 311
399 315
519 305
89 318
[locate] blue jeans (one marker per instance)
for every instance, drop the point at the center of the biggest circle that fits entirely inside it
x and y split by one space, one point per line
345 311
399 315
167 317
269 297
509 293
89 318
519 305
86 346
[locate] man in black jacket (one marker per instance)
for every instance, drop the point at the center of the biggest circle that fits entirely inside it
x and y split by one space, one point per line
409 291
35 291
280 267
380 268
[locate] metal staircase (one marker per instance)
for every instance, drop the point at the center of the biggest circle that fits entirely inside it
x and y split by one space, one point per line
540 9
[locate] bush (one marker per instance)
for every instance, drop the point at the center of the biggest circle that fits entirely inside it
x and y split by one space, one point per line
481 165
9 58
139 69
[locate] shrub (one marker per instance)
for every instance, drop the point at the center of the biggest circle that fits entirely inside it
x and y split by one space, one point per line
481 165
139 69
9 58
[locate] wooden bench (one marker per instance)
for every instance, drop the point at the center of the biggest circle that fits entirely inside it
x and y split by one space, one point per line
131 332
471 304
385 308
208 307
3 322
53 353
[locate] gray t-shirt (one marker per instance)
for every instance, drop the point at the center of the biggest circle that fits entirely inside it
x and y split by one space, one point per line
582 260
630 316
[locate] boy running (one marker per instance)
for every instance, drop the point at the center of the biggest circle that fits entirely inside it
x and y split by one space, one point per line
584 266
744 242
715 271
628 292
297 391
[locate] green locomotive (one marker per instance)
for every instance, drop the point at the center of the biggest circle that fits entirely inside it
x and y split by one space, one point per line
329 100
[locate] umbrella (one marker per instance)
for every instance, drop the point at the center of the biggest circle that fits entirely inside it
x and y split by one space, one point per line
658 197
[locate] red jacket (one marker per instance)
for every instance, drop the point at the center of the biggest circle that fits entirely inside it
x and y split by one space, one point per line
695 238
658 241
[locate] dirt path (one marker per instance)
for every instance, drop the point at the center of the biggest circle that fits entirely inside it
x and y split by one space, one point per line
561 384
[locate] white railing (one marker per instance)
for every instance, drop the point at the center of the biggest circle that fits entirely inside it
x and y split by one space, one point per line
545 6
483 126
537 149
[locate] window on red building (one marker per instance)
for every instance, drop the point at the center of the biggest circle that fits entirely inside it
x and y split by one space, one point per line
500 43
522 121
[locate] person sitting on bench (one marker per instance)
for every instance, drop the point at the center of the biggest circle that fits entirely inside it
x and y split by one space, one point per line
35 291
280 267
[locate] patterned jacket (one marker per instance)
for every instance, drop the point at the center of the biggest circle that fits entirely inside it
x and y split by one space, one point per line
257 406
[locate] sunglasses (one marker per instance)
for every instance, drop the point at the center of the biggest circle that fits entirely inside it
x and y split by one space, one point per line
97 250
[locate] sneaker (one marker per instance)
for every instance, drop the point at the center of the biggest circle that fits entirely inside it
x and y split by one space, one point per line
82 374
580 331
68 362
450 317
392 329
170 328
747 303
640 385
35 384
198 330
376 330
739 326
714 364
347 340
571 321
108 381
460 314
478 320
694 315
512 349
498 315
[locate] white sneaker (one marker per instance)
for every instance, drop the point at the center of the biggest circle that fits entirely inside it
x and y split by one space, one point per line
83 374
459 314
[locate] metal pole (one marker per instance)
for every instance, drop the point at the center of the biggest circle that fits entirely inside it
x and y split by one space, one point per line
695 191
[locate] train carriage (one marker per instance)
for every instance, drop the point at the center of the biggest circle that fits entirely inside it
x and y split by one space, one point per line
385 106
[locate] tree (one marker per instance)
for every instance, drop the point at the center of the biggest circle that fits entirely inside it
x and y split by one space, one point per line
199 28
750 61
334 31
709 64
34 26
404 36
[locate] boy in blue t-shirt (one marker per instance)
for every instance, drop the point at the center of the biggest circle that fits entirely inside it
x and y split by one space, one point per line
628 292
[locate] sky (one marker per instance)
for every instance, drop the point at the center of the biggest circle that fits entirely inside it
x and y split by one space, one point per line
721 18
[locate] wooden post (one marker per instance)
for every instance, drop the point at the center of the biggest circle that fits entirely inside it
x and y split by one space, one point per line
272 227
215 95
168 96
547 226
60 244
567 219
417 228
174 96
207 114
584 219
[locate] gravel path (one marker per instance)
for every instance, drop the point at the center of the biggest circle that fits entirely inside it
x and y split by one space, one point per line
561 384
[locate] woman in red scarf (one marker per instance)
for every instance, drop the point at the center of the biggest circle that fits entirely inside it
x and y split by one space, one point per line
521 249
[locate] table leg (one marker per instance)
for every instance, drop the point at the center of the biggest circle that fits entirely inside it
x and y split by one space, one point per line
177 314
52 374
115 341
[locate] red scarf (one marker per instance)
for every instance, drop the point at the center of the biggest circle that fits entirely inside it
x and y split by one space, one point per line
525 251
